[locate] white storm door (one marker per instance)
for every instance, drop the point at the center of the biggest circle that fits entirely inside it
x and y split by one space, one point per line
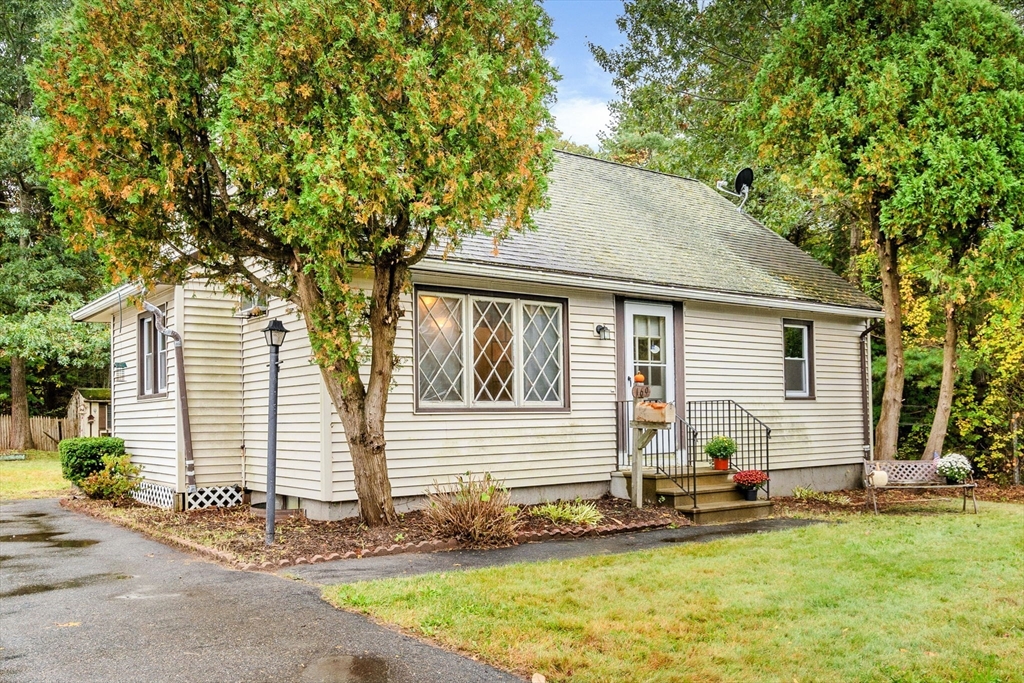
649 350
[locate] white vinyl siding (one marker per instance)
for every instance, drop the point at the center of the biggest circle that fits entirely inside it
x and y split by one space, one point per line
213 365
734 352
149 426
521 448
298 427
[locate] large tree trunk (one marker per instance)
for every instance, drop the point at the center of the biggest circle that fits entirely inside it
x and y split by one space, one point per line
887 431
362 407
945 402
21 426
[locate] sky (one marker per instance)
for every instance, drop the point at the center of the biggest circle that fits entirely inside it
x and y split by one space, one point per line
585 89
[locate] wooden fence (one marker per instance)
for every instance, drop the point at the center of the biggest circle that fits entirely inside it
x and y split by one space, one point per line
46 431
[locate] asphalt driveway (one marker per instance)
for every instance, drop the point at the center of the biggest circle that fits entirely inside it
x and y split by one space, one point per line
83 600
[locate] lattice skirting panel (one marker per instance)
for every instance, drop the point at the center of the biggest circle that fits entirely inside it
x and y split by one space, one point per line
214 496
155 495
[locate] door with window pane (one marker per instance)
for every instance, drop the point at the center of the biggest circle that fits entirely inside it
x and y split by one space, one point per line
649 348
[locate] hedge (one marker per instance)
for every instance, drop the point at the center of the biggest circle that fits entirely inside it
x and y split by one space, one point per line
82 456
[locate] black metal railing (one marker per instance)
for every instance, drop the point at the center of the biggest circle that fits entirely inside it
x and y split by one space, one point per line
678 452
728 418
669 452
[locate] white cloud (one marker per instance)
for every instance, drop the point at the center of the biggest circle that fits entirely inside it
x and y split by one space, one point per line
580 119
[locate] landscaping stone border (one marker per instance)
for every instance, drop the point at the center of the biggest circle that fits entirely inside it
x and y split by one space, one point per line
428 546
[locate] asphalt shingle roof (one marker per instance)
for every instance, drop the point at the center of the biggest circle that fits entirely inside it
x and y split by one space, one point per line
619 222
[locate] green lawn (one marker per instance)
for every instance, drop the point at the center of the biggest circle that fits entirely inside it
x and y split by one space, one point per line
37 476
910 598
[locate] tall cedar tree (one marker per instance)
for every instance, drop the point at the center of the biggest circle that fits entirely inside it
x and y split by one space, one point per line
913 111
294 147
40 277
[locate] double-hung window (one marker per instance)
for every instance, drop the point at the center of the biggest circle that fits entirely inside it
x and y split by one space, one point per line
489 351
798 344
152 358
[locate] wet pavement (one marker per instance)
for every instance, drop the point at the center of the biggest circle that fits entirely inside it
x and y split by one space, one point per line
350 571
83 600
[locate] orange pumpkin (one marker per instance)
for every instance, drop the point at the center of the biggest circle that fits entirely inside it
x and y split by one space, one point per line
639 378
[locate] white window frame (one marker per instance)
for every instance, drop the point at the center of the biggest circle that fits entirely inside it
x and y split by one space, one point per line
469 393
808 362
251 306
151 358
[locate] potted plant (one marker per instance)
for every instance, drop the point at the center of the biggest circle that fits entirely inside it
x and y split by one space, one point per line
749 481
954 467
720 449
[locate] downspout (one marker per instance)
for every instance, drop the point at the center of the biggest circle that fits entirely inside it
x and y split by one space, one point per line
865 390
179 373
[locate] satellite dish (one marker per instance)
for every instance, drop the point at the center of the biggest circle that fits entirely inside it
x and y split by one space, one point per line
744 180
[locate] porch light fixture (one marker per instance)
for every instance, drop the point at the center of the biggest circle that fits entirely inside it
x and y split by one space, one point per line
274 333
603 332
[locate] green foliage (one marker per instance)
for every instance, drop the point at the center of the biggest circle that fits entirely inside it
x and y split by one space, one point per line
565 512
115 482
84 455
805 493
293 147
41 277
351 135
475 509
720 447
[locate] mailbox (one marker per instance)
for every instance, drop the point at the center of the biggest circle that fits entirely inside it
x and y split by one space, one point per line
655 411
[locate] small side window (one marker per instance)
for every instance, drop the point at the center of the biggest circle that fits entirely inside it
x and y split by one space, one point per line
798 346
252 305
152 358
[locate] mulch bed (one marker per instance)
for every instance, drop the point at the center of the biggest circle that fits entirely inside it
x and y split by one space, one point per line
858 502
235 536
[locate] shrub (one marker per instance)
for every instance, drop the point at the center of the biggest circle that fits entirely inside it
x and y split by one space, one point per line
115 482
82 456
954 466
569 513
803 493
720 447
749 479
475 510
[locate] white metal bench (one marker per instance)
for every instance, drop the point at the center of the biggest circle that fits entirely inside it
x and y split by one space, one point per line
912 474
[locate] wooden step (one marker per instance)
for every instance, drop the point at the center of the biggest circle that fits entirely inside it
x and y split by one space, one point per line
727 511
705 494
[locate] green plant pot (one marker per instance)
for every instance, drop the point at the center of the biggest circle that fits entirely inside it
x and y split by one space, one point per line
952 481
720 463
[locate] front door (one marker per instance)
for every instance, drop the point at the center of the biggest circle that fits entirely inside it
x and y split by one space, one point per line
649 348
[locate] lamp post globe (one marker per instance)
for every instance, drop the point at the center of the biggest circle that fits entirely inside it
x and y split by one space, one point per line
275 332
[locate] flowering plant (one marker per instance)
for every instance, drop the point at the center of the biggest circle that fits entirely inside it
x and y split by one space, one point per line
749 479
954 466
720 447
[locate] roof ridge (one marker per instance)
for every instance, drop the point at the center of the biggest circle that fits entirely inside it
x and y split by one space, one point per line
630 166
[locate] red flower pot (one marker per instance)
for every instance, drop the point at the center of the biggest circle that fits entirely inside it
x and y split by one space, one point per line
720 463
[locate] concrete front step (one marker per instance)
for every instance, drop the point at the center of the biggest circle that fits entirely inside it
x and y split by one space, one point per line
732 511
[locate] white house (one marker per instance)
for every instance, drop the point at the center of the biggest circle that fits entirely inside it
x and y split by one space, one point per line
518 362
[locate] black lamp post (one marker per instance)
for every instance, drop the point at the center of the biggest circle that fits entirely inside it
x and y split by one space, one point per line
275 333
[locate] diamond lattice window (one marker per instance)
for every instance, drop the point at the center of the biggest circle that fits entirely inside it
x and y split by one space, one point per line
493 354
516 348
542 353
440 349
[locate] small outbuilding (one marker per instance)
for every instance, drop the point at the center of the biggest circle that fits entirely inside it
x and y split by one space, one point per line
90 410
